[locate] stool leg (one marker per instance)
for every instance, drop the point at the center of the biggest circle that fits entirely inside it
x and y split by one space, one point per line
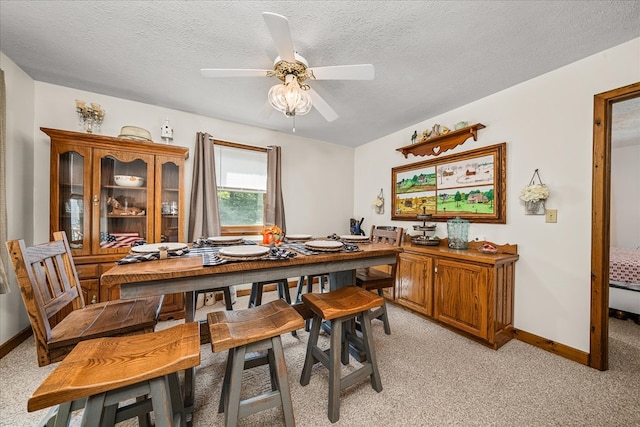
92 415
232 408
161 401
176 398
252 296
310 359
367 338
299 289
273 374
283 381
334 370
225 381
284 286
259 294
226 291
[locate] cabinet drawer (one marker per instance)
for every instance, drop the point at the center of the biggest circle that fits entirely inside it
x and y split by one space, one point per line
88 271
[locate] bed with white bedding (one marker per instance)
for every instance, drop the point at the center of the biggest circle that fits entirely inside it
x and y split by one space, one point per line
624 280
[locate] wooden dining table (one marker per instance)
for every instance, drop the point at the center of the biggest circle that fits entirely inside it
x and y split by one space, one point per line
188 274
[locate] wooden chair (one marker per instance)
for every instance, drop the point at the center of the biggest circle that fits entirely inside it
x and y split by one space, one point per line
49 284
246 332
373 278
340 308
104 375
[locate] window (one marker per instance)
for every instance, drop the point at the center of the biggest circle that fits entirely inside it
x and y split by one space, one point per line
241 177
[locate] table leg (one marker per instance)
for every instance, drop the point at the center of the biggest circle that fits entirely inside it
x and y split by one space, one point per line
189 374
340 279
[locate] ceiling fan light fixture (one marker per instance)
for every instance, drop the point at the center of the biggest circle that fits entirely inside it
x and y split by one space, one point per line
289 97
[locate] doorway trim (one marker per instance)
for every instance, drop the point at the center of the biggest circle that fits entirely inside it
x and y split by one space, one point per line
600 217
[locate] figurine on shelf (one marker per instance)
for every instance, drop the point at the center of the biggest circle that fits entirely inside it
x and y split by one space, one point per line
118 209
414 136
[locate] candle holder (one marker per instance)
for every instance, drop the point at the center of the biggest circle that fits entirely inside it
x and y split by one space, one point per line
90 116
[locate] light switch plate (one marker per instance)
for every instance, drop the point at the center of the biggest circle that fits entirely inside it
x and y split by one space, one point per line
551 215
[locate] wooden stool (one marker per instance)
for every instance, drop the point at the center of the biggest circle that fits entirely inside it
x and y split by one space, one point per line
100 373
341 307
251 330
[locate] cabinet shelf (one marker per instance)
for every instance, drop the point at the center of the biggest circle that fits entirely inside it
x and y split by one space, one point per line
122 187
440 144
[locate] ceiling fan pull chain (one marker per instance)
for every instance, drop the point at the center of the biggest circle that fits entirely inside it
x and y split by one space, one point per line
294 123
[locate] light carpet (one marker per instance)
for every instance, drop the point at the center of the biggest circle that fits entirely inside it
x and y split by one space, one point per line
431 377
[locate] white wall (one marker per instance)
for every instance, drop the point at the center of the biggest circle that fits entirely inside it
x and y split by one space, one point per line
20 171
547 124
625 194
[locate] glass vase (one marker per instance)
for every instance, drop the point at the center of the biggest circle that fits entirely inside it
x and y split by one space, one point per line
534 207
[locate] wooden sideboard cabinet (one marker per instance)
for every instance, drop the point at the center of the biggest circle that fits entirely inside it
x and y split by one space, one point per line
467 290
103 210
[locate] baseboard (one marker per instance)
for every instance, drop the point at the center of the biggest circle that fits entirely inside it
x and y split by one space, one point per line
552 347
15 341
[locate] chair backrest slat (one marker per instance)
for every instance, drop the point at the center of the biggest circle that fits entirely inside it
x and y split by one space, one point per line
389 235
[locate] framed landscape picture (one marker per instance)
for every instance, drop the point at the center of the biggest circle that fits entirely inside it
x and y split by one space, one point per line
469 185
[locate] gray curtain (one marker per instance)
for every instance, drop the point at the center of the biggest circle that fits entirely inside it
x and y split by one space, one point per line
204 219
4 256
275 203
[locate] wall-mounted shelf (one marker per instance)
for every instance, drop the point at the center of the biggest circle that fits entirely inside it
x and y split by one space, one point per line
440 144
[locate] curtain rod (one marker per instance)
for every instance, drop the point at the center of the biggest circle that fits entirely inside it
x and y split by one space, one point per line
238 145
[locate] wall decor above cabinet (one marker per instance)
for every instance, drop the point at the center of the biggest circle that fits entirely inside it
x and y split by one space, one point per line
439 144
470 185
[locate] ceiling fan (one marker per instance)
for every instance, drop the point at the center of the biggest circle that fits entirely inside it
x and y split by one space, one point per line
293 96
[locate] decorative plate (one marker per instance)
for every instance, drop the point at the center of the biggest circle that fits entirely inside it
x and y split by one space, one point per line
298 236
244 251
155 247
225 240
354 238
324 245
488 249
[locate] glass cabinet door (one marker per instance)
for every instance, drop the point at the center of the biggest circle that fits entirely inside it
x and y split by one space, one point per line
123 194
70 167
169 196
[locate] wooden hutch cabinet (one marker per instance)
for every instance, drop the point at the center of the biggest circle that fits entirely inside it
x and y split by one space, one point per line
107 193
467 290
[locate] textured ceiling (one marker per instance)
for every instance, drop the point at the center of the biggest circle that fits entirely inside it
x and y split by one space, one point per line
429 56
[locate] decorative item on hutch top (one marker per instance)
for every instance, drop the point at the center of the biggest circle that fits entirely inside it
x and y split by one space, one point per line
534 195
428 230
166 132
90 116
378 203
469 185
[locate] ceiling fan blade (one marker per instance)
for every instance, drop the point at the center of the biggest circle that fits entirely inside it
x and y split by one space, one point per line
278 26
229 72
321 105
344 72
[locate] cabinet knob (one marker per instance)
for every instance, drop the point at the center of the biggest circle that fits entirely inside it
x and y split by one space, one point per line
94 299
95 200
